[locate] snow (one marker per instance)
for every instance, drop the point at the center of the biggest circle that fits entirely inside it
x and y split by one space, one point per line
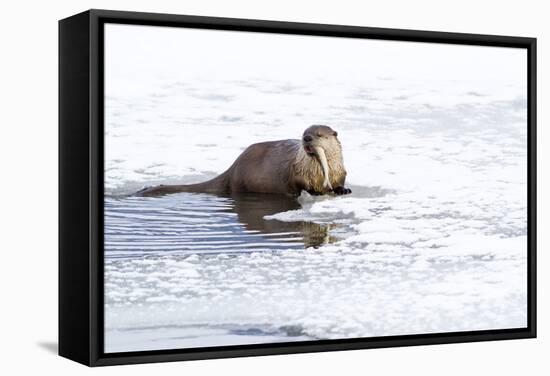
432 239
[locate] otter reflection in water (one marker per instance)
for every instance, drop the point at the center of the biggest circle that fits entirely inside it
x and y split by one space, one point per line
314 164
252 208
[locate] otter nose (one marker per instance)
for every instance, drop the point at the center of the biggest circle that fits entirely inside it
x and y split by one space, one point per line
308 138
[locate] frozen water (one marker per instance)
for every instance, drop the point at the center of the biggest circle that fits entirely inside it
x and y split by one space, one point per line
433 238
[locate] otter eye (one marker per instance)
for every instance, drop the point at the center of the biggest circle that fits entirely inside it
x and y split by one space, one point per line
318 134
335 134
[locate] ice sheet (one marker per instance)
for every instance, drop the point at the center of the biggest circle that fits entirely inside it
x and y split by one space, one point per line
432 239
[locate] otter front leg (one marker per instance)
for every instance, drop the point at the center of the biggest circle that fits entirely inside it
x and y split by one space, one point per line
341 190
313 192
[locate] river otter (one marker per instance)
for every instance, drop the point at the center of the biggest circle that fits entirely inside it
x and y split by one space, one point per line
314 164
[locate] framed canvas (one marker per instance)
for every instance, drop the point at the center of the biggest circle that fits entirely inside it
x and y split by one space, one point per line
233 187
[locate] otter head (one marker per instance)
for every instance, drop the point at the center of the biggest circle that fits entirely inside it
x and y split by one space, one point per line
319 141
319 136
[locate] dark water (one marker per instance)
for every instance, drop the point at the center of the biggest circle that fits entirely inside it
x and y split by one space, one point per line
204 223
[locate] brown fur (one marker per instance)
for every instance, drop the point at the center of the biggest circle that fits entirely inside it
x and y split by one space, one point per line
276 167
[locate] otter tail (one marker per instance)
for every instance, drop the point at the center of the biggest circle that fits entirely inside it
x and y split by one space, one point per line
215 185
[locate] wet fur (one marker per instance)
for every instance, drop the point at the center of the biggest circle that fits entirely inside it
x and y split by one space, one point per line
308 173
273 167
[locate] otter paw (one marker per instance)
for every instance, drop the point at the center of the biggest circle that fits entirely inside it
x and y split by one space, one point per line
314 192
341 191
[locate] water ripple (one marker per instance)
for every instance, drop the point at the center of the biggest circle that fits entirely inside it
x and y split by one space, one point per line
202 223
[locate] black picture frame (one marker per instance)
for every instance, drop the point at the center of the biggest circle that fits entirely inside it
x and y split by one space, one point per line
81 186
